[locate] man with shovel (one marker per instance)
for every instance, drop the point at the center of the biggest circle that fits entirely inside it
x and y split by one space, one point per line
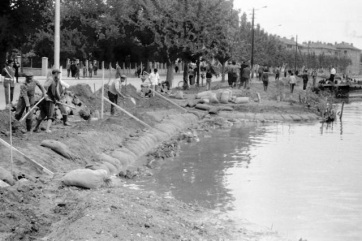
54 88
26 99
114 90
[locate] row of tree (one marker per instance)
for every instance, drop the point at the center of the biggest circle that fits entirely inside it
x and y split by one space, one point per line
142 31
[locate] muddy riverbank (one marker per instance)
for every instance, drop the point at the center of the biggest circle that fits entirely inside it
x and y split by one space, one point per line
41 207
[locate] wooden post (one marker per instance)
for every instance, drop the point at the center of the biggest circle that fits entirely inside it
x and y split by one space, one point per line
11 135
127 113
102 104
340 117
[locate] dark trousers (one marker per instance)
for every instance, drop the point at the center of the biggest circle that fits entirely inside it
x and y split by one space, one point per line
305 83
292 88
331 78
114 99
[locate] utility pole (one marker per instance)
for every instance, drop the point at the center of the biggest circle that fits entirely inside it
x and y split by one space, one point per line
252 42
57 35
296 52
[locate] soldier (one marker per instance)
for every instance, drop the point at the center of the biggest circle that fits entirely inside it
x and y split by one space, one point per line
9 73
26 99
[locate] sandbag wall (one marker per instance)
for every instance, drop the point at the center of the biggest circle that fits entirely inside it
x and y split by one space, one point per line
118 160
134 149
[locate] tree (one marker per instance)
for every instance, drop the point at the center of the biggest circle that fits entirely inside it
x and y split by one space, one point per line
19 20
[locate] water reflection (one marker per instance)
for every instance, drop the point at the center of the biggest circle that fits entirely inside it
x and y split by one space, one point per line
303 179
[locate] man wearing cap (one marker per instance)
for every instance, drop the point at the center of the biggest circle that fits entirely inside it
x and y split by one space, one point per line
115 90
53 89
8 73
26 99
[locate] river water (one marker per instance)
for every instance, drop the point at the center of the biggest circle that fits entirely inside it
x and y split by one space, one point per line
303 180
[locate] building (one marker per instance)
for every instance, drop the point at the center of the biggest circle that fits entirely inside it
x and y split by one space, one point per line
319 48
342 49
348 50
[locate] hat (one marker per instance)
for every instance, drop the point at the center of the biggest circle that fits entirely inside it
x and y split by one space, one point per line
55 71
29 74
123 76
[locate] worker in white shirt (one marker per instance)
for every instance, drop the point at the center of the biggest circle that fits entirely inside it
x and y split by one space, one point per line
333 74
115 89
154 79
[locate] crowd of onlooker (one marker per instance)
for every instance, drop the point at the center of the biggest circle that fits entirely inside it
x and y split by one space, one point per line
75 67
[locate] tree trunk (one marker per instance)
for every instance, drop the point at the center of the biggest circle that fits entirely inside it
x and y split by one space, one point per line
198 72
170 73
2 58
185 74
223 71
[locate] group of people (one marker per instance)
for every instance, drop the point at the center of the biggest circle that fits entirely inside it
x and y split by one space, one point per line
52 93
241 74
88 68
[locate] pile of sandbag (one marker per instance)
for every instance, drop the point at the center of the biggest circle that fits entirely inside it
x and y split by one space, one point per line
208 96
86 178
221 96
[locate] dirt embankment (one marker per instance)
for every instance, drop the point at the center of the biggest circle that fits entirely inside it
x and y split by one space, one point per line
41 208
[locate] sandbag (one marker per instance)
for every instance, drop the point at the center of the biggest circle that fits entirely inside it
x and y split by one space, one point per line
224 97
179 95
204 101
213 99
6 176
4 184
124 158
203 95
85 178
214 110
191 103
58 147
111 169
106 158
226 108
203 107
240 100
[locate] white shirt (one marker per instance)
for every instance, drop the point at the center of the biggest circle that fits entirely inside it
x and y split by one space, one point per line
154 78
115 86
333 71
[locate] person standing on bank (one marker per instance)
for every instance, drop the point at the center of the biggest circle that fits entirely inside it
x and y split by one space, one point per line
9 73
53 89
245 77
265 78
16 67
26 99
114 90
95 67
305 79
68 67
154 79
314 77
292 81
333 74
208 78
90 69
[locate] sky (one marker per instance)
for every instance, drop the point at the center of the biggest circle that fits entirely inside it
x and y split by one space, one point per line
312 20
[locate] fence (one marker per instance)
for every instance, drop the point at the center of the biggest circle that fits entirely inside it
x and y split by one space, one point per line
130 71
